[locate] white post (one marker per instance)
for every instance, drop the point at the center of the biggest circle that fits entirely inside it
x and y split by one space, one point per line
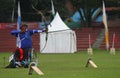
89 50
113 41
112 50
89 42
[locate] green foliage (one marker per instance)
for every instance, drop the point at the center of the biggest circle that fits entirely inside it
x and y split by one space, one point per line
28 14
6 10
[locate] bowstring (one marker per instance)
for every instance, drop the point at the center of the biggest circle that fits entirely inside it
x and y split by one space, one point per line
44 21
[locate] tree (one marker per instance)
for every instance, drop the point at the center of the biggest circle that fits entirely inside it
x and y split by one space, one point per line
29 14
6 10
86 9
89 6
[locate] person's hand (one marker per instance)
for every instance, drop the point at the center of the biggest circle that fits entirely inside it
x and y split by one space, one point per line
45 29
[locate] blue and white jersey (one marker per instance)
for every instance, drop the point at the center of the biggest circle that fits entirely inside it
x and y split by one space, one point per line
25 40
76 17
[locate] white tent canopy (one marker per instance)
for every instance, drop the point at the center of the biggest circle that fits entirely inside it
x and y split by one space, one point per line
57 24
61 39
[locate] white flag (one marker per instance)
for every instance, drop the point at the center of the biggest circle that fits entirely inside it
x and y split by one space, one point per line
53 10
18 42
19 17
106 27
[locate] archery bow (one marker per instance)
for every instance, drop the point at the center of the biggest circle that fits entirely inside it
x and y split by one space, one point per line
46 27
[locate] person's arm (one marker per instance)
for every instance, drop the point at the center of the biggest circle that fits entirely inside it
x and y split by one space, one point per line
37 31
15 32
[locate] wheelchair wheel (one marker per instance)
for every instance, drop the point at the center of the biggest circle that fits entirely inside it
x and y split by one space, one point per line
34 57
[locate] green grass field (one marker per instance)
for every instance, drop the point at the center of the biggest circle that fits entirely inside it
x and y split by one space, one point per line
68 66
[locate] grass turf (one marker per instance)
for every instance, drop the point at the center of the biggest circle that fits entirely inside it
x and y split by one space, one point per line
68 66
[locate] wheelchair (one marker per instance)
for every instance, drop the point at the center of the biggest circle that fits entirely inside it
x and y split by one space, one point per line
20 58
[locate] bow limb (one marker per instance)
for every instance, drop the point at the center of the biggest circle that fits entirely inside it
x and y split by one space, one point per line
43 17
39 12
46 27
